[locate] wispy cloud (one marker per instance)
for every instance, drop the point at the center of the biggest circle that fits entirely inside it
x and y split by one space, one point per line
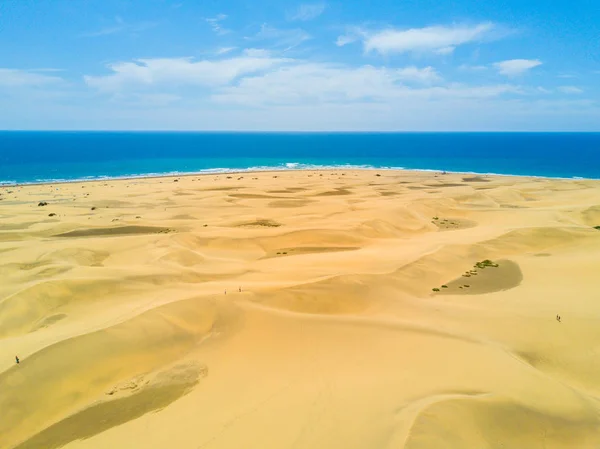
120 26
426 75
173 72
474 68
445 50
571 90
215 24
27 78
515 67
434 39
352 34
224 50
307 11
287 38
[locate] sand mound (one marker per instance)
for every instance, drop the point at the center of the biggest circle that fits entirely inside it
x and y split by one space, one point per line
315 238
184 217
227 248
252 196
446 184
118 231
393 225
477 200
335 192
591 216
23 310
448 224
78 256
61 376
107 414
49 321
486 279
521 241
183 257
340 296
289 190
495 423
218 189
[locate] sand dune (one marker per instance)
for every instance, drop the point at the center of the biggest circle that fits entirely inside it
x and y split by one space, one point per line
338 310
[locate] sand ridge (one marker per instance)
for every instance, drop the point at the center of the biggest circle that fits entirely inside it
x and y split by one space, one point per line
301 309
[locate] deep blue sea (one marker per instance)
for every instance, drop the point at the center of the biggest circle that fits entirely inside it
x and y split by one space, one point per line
27 157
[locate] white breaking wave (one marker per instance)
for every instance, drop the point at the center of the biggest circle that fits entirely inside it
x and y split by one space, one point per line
286 166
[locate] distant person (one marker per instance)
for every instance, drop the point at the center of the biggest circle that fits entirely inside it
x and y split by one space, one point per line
17 359
240 289
558 318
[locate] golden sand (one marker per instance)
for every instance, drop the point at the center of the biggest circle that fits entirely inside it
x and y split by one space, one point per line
377 310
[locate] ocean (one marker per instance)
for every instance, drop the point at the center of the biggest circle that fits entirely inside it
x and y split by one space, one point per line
33 157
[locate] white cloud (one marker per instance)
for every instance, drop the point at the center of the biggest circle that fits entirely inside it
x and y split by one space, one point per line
352 34
426 75
27 78
173 72
224 50
570 90
429 39
215 24
307 11
318 83
345 40
543 90
514 67
445 50
288 38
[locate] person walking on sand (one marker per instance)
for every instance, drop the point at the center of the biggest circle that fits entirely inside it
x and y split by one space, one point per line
558 318
17 359
240 289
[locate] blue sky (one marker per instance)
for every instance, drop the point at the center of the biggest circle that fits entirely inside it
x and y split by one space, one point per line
403 65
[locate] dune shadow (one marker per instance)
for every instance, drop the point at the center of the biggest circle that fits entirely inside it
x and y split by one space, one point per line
336 192
265 223
475 179
105 415
309 250
289 203
117 231
504 275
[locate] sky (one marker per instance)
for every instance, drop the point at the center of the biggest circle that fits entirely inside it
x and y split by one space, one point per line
265 65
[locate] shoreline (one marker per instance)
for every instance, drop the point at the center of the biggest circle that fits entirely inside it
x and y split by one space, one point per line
224 171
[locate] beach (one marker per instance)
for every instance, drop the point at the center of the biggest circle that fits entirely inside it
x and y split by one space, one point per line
338 309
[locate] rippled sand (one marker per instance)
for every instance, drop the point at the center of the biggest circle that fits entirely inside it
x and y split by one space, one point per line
367 317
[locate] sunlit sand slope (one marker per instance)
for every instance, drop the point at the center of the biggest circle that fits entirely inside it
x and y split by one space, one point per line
301 309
